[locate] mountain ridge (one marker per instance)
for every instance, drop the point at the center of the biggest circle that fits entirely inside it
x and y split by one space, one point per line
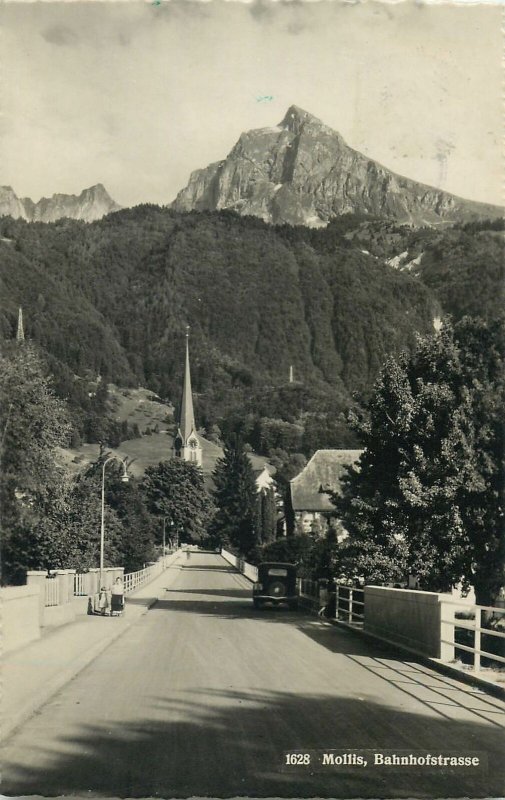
301 171
91 204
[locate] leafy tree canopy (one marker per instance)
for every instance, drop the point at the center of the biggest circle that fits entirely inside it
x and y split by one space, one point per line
175 489
428 494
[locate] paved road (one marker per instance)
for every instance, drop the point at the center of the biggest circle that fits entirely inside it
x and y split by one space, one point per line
203 695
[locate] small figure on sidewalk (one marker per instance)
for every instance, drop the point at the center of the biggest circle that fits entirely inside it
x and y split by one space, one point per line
117 597
103 601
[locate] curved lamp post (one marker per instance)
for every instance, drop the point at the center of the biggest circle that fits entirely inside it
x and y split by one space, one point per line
125 479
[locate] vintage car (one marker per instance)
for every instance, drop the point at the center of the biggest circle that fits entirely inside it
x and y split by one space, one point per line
276 584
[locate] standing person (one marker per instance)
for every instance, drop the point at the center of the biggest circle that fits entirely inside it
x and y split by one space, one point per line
103 601
117 597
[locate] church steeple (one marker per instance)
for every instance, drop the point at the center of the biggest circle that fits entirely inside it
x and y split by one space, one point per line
186 442
187 420
20 332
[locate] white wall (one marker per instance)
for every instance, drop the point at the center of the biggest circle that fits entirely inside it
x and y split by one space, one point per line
409 618
20 616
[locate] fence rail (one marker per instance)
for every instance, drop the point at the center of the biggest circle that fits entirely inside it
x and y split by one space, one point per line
476 627
308 588
80 587
88 583
133 580
349 604
52 588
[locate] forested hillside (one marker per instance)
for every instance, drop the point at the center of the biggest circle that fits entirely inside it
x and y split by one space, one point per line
113 298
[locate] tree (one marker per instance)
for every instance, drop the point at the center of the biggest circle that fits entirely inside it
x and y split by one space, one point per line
267 515
175 489
68 534
427 496
137 527
236 519
33 423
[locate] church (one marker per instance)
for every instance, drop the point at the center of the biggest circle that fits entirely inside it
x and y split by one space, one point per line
186 442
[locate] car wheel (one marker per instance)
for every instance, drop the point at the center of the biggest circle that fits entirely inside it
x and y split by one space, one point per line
256 603
293 605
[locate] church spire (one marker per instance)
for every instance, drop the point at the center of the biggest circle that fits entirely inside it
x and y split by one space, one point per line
20 332
187 420
186 443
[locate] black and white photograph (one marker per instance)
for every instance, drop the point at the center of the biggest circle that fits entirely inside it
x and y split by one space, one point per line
252 400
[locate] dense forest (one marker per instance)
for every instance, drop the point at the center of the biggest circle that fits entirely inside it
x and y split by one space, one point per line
112 298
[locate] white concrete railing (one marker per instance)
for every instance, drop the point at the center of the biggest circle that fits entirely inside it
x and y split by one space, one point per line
87 584
21 615
134 580
422 622
249 571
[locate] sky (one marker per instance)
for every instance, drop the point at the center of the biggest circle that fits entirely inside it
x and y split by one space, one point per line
136 95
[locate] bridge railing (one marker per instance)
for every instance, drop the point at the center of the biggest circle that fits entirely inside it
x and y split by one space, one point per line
51 589
134 580
308 588
350 604
466 628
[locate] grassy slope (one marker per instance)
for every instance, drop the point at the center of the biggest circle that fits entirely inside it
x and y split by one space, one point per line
137 406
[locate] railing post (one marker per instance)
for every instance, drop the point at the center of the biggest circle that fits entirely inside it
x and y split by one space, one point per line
337 600
38 578
447 630
477 639
350 605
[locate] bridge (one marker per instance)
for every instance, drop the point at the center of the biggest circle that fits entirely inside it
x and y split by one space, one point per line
205 697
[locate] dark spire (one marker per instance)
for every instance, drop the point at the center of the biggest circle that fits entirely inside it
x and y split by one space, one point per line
187 419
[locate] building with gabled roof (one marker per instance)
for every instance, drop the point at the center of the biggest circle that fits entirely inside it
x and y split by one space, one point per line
310 490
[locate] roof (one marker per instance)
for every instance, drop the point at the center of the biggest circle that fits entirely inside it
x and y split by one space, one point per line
187 416
322 474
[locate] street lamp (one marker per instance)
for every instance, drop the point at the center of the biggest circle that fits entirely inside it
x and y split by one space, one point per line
164 529
125 479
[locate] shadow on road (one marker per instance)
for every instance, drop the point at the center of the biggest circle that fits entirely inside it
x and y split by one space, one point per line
213 592
215 743
210 567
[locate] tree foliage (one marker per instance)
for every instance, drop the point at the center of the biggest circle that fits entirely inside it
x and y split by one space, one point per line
175 490
427 496
33 423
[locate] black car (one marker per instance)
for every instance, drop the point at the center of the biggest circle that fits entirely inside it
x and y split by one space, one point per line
276 584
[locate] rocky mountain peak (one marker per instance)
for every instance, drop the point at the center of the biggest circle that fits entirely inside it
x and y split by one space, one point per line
303 172
91 204
296 118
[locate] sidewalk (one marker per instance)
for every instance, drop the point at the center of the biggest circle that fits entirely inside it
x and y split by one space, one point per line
33 674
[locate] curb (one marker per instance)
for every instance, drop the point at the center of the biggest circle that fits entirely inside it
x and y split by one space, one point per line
52 687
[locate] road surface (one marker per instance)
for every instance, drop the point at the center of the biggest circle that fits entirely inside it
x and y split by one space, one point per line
203 696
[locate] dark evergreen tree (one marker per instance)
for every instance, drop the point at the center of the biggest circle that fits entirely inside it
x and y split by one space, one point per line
236 520
267 515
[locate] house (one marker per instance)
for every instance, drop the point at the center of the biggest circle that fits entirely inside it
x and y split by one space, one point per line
310 489
263 477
